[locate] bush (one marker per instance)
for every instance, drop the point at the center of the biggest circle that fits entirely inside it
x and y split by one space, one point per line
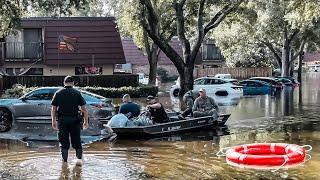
165 77
135 92
17 92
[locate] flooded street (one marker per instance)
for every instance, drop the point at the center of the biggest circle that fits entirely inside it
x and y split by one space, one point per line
289 117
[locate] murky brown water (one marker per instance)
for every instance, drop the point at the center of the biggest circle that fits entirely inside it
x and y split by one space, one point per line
289 118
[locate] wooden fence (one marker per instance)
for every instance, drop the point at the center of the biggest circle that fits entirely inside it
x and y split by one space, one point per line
121 80
238 73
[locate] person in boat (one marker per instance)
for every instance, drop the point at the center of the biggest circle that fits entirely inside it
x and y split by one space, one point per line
205 105
129 108
156 110
188 98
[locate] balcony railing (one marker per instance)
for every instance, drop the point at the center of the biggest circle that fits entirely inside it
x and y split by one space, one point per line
22 51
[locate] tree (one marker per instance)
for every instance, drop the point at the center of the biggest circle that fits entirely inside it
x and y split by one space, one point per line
9 17
130 26
190 17
282 26
13 10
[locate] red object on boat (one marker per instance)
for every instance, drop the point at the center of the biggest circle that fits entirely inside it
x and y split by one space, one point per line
266 154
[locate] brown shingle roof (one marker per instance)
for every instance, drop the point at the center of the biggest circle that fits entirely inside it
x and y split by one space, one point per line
309 57
136 57
132 53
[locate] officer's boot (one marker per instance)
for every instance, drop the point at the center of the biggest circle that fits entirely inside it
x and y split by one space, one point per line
64 153
79 156
79 153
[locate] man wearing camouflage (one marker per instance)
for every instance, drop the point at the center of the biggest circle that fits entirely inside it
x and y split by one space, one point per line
205 106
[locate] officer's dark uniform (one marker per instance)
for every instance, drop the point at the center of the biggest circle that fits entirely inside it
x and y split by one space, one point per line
68 101
158 115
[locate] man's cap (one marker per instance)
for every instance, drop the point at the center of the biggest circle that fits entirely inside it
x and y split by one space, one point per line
202 90
68 79
150 97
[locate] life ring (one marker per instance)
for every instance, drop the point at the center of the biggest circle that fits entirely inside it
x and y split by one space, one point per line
266 154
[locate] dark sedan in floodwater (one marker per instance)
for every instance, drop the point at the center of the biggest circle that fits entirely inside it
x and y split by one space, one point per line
35 108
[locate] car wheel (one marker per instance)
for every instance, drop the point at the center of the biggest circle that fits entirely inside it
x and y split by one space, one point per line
222 93
175 92
5 120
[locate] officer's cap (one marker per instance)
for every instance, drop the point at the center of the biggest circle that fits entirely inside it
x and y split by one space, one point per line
68 79
150 97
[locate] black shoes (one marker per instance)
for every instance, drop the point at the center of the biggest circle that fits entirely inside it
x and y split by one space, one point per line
64 153
79 153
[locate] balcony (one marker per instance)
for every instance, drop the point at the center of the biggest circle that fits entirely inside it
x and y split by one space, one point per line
22 51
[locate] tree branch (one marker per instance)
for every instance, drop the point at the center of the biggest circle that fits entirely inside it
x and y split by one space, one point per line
221 15
201 33
181 28
293 35
271 48
301 48
146 19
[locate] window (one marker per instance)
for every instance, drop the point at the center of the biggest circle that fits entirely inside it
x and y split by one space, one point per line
211 52
41 94
88 70
31 71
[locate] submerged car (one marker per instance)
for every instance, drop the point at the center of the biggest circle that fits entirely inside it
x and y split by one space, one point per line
220 89
285 81
35 108
292 79
274 82
255 87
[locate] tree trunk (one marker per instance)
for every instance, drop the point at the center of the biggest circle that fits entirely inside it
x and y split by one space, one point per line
300 67
186 80
153 63
285 62
285 58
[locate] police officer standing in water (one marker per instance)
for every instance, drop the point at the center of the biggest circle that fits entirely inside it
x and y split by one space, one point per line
66 119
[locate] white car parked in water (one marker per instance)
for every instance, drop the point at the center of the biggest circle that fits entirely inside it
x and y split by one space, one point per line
217 88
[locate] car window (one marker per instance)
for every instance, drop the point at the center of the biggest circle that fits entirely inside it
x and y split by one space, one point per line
41 94
257 84
199 82
243 83
89 97
251 84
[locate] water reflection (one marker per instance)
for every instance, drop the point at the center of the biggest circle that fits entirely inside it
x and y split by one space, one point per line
66 174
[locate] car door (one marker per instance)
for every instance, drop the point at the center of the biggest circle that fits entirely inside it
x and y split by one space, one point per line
251 89
34 106
259 88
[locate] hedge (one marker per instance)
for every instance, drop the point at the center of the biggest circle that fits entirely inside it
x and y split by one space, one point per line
135 92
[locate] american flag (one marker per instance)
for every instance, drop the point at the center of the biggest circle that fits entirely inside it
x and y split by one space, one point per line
67 43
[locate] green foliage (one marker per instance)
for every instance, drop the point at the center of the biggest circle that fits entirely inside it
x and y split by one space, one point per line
242 37
11 11
135 92
164 75
17 92
9 16
127 13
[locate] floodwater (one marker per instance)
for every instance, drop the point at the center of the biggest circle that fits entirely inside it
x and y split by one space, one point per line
290 117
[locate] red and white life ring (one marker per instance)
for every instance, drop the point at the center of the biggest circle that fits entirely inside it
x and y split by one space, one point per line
266 154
